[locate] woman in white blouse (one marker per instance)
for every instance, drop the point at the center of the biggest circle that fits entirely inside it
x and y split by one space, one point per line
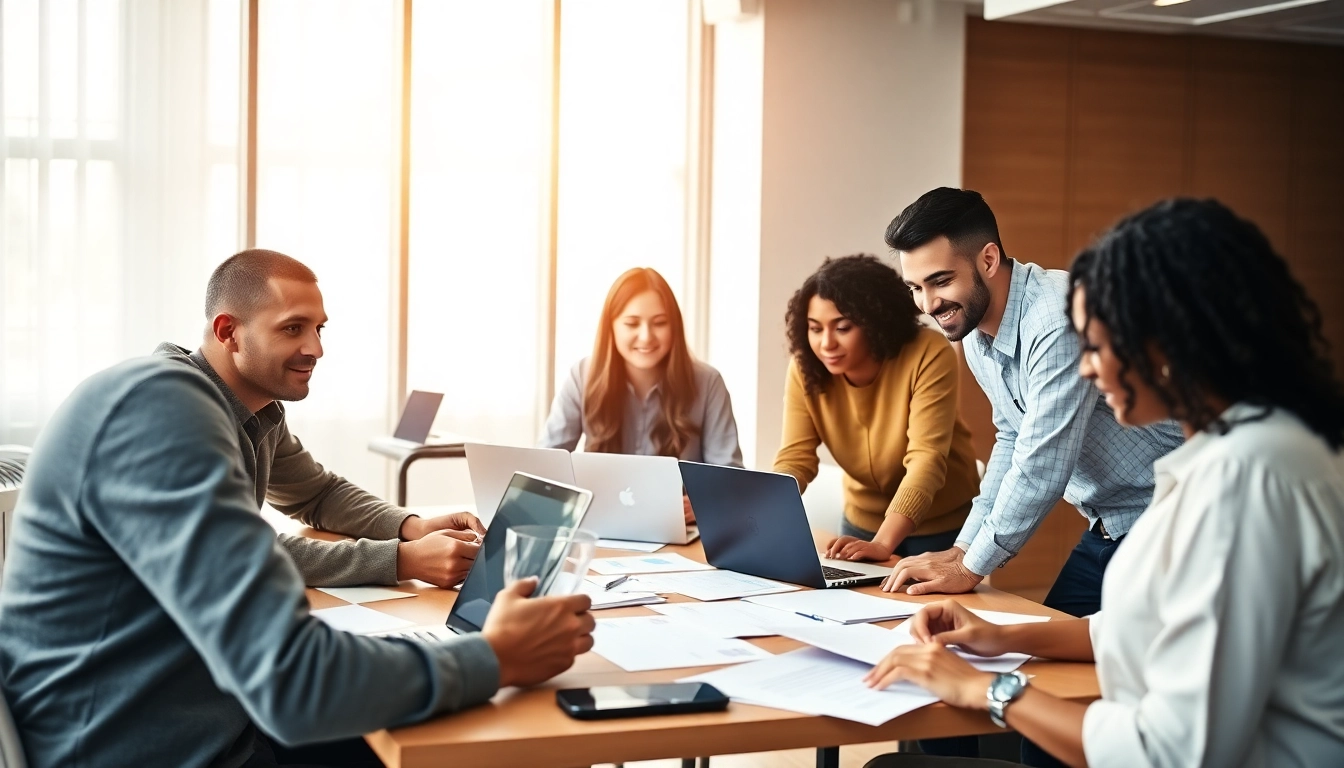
1222 614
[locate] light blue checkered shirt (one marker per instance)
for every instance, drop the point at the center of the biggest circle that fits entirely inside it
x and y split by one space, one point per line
1056 435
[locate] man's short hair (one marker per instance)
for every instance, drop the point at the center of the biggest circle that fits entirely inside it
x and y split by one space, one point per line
239 285
960 215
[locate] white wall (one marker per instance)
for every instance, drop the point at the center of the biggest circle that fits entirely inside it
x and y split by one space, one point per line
860 110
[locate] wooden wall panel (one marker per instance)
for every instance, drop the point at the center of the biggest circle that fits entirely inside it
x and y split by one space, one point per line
1128 106
1240 150
1126 119
1316 215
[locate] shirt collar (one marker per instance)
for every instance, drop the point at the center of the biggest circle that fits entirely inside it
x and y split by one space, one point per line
1179 462
1005 342
656 389
268 416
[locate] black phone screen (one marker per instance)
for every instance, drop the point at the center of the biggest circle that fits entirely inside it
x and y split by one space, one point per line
658 698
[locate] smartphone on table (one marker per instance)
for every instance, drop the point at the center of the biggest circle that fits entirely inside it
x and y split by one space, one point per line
608 701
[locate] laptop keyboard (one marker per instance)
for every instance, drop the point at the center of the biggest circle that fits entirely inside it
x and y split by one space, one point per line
838 573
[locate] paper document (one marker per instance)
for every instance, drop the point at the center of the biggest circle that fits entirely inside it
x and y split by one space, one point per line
642 643
840 605
665 563
360 620
733 618
815 682
364 594
710 585
633 546
1005 663
615 598
868 643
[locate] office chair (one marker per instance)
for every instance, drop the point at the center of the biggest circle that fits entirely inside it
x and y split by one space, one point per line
11 748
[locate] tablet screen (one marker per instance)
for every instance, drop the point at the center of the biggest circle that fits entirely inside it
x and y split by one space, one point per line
527 501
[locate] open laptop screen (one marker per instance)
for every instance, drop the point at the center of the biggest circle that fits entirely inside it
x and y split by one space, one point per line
528 500
417 417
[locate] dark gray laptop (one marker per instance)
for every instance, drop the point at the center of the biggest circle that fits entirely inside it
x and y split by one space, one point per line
754 522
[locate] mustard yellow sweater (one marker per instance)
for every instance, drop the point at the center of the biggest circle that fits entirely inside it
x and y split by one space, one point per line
902 446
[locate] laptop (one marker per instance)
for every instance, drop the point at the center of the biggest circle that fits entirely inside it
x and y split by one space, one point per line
491 468
754 523
635 498
417 418
527 500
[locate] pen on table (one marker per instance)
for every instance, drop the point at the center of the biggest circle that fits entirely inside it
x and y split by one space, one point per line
616 582
809 616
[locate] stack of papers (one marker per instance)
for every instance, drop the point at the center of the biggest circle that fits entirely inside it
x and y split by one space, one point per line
708 586
616 598
642 643
814 682
667 563
733 619
839 605
360 620
869 644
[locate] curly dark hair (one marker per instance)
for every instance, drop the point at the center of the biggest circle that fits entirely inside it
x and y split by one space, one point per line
1204 287
865 290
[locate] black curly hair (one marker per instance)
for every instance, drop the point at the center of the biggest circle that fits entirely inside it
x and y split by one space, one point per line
1204 287
865 290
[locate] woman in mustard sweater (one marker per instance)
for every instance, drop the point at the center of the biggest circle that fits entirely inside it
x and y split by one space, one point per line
879 390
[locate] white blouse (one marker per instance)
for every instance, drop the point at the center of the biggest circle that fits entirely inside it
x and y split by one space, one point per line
1221 636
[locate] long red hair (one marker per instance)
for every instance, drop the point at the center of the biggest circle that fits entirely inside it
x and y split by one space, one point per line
605 390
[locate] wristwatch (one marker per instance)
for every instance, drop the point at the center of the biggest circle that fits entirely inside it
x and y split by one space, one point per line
1005 689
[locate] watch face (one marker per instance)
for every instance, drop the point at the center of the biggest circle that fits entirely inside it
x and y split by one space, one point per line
1006 687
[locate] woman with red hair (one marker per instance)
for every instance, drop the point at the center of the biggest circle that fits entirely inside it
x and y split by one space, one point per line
641 391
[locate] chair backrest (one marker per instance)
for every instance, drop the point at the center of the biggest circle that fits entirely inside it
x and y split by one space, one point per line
11 748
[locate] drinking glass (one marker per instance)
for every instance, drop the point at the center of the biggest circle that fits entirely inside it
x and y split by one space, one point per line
558 557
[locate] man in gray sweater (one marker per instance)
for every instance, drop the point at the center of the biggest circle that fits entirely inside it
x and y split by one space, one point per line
148 615
265 316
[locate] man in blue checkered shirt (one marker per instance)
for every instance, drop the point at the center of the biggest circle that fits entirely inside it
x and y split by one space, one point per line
1057 438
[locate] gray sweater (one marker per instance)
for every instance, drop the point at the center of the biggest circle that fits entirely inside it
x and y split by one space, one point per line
148 615
286 475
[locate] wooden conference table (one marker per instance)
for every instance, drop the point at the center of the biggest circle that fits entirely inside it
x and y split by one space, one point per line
525 727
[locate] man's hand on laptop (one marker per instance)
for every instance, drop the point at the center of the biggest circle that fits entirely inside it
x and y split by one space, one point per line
936 573
440 557
536 639
686 509
851 548
416 527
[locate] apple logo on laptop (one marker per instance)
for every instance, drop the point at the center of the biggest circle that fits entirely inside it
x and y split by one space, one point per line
627 498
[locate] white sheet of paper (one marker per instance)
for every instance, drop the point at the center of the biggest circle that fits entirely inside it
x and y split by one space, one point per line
642 643
998 664
842 605
666 563
633 546
815 682
733 618
364 594
616 598
360 620
710 585
867 643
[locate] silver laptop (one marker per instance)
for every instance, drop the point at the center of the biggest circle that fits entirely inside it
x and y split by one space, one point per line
637 498
491 468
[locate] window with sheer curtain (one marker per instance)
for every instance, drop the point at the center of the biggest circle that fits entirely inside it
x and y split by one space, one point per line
123 171
120 147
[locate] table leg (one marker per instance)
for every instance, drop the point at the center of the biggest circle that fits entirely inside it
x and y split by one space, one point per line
403 469
828 757
688 762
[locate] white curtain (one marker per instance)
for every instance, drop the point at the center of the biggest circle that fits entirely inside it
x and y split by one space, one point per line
120 149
